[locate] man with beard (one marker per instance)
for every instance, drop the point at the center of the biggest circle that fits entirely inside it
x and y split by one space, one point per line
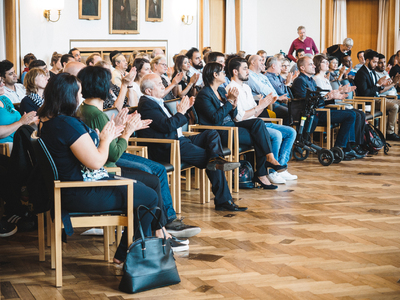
282 137
196 65
392 106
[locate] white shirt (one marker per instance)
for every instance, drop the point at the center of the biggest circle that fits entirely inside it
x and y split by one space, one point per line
136 88
17 95
392 91
245 100
116 77
192 71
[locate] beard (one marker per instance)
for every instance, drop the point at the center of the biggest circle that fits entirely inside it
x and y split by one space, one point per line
199 66
242 78
370 66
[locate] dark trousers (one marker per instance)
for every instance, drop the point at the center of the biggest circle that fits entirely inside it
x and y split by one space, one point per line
346 119
112 198
253 132
359 126
281 110
197 150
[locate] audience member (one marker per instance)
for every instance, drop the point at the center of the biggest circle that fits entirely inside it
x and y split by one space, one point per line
242 53
395 68
369 85
55 62
340 50
185 86
285 72
203 150
159 66
75 53
93 59
302 42
381 71
27 59
120 65
361 60
74 67
66 58
38 63
214 106
12 90
35 83
282 137
157 52
196 65
143 68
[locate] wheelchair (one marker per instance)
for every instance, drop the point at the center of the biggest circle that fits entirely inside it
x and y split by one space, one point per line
303 113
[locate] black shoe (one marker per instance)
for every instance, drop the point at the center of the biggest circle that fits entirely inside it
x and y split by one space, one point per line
218 163
360 151
181 230
7 228
277 168
351 154
178 246
230 206
392 137
264 186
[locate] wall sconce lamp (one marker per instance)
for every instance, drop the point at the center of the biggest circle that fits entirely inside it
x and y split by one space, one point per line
187 20
53 5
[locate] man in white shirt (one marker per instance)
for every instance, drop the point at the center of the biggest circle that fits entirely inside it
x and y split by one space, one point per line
196 65
12 90
120 64
282 137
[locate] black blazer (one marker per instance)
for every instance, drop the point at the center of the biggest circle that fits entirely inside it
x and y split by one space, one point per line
162 127
209 109
364 83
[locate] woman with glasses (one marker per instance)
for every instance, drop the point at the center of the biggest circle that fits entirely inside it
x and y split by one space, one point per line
340 50
159 66
286 74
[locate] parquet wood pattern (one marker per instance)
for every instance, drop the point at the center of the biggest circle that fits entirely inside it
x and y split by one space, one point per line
332 234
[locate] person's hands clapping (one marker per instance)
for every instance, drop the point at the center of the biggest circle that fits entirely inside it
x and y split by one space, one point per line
110 132
121 118
170 71
178 77
184 105
28 118
194 78
267 100
130 77
135 123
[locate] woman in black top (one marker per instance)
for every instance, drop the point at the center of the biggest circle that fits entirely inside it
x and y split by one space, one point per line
35 82
185 86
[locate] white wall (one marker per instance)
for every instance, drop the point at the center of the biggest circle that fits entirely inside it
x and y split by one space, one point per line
43 38
271 25
2 32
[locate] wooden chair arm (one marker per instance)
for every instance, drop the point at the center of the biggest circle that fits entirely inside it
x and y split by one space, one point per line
328 116
279 120
137 150
74 184
5 149
190 133
116 170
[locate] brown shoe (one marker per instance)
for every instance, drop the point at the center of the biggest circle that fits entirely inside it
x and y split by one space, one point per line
219 163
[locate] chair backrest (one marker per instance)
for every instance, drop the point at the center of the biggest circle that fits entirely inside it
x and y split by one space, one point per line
171 105
46 163
111 111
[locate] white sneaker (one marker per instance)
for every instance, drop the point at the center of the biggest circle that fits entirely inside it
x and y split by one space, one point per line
287 176
276 178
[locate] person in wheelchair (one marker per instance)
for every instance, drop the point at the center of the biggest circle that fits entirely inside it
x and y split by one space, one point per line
346 137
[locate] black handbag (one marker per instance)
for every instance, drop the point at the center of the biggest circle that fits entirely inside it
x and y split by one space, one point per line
149 263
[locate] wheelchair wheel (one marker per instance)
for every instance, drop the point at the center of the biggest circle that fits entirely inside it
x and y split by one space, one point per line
338 154
325 157
300 153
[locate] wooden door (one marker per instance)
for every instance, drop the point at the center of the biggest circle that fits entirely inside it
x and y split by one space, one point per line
362 25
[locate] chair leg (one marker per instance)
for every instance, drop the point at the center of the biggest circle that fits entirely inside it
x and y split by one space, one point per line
196 178
58 237
188 183
53 246
41 240
236 178
228 176
106 238
203 191
111 235
119 235
48 228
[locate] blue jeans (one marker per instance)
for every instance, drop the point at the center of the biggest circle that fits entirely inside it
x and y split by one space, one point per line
128 160
282 139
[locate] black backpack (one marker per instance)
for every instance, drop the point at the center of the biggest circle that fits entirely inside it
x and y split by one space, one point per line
374 140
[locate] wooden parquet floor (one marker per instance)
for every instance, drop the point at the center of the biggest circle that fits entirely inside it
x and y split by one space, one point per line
332 234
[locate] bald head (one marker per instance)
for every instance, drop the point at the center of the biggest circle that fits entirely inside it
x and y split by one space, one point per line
151 85
156 52
73 67
256 64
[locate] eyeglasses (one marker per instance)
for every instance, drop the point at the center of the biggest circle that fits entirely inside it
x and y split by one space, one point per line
285 66
164 65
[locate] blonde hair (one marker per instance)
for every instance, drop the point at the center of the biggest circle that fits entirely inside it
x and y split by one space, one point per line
29 80
54 58
156 60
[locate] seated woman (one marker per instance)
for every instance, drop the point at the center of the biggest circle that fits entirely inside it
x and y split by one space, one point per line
55 63
35 82
321 69
142 66
282 137
123 96
214 106
95 82
185 86
80 152
159 66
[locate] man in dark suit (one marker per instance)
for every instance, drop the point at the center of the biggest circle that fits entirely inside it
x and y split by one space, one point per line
155 9
203 150
369 85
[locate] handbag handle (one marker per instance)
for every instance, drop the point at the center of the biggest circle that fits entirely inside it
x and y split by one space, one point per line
148 210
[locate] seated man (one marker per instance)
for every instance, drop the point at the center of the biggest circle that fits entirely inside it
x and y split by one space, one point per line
75 53
120 65
369 85
93 59
360 56
299 53
12 90
66 58
196 65
282 137
346 118
260 85
203 150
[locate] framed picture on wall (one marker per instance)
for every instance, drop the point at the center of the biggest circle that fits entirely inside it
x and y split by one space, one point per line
90 9
154 10
124 16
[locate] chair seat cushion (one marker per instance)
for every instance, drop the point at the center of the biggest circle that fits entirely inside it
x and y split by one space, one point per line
98 213
226 151
185 166
376 115
168 166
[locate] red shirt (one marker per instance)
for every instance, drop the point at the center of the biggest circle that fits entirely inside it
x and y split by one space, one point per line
308 45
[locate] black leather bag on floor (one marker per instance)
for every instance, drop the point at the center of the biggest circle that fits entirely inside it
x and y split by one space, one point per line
149 263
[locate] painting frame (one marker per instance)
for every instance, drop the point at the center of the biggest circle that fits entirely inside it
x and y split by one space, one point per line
121 22
151 15
86 6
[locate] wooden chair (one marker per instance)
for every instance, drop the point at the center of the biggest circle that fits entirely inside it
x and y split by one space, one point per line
5 149
95 219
